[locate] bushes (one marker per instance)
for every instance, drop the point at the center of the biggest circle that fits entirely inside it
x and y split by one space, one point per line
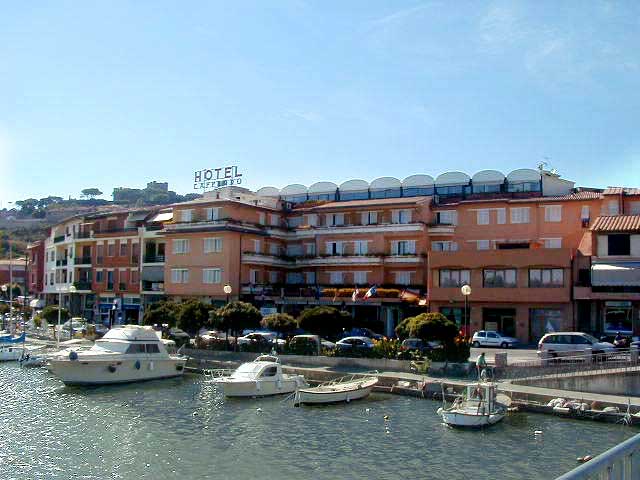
192 315
161 313
279 322
324 321
235 317
50 314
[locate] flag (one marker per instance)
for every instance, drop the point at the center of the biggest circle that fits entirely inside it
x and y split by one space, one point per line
409 295
370 293
354 296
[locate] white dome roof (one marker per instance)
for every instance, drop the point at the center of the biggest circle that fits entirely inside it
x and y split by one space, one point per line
384 183
453 178
323 187
524 175
490 177
294 189
418 181
268 192
354 186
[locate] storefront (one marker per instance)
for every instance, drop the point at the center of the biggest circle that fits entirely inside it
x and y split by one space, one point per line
618 316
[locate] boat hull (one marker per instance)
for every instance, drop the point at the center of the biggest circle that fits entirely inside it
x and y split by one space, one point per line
467 420
76 372
11 354
335 393
260 388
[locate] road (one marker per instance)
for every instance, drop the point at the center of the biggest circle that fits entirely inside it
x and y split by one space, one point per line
513 354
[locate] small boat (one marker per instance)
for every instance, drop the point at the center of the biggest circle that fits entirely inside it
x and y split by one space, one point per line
344 389
7 338
477 407
130 353
260 378
10 352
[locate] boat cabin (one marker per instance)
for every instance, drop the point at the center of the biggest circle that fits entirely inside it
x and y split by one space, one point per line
131 339
258 369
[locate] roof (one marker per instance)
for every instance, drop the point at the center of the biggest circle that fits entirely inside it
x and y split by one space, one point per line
621 190
576 196
617 223
378 202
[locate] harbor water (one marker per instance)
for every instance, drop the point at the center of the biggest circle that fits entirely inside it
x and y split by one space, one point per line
185 429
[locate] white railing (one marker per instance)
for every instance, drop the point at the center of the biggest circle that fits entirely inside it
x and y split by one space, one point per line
622 462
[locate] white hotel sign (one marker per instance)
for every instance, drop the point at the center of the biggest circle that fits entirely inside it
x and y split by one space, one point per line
211 178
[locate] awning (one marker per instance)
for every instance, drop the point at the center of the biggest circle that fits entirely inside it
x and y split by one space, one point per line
162 217
618 274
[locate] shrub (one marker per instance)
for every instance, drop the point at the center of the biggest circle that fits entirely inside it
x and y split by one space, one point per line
160 313
386 348
50 314
235 317
324 321
4 308
192 315
279 322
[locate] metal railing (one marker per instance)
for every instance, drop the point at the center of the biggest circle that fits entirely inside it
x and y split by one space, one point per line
154 259
571 364
621 462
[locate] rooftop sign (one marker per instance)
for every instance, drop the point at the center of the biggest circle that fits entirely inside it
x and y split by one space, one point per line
212 178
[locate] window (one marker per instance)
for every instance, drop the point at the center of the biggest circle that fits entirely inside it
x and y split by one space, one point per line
186 215
369 218
360 277
403 247
546 277
504 278
111 250
454 278
310 278
273 277
274 220
618 317
295 222
519 215
294 278
403 278
312 220
501 214
360 247
553 213
211 275
444 246
619 244
262 220
99 276
213 214
152 348
634 208
483 217
212 245
179 275
585 213
334 248
274 249
180 246
483 244
257 246
123 249
552 242
447 217
401 216
335 278
134 277
612 207
253 276
335 219
294 250
310 248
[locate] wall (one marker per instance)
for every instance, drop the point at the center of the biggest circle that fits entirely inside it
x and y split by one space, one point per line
627 384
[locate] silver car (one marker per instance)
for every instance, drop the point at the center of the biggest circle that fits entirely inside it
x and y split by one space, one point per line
563 344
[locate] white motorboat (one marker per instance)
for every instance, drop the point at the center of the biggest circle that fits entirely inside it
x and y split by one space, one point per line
477 407
130 353
10 352
260 378
344 389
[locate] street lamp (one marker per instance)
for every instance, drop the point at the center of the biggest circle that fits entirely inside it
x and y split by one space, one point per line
227 289
466 291
72 290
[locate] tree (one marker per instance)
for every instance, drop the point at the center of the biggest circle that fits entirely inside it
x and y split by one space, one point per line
433 326
324 321
90 193
50 314
4 308
235 317
161 312
192 315
279 322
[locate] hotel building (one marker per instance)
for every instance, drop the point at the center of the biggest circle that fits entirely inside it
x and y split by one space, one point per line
538 253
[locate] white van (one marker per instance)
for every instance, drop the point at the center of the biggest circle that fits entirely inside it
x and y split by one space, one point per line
565 344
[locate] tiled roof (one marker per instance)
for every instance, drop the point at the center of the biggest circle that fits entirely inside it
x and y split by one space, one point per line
617 223
619 190
587 195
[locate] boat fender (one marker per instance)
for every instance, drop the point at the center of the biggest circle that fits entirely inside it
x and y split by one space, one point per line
439 411
179 368
112 368
73 355
137 365
150 365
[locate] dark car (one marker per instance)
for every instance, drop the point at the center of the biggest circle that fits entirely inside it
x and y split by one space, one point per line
179 336
354 343
362 332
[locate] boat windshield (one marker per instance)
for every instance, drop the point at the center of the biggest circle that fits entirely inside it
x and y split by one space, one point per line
110 346
246 370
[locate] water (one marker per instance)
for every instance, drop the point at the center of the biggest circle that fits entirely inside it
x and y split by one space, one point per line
185 429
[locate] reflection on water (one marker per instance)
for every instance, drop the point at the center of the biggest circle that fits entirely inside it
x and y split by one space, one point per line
184 428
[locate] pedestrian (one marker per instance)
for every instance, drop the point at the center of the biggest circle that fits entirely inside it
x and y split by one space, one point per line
481 364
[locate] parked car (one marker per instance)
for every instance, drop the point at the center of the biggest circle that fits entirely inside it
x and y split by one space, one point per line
490 338
78 324
362 332
260 337
311 343
570 343
352 343
98 329
179 336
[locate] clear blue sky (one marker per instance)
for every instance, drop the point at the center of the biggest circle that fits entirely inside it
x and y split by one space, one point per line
114 93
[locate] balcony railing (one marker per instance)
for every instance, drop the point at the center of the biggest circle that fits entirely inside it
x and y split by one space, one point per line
82 260
61 263
152 286
154 259
82 285
116 230
110 286
341 292
58 239
81 235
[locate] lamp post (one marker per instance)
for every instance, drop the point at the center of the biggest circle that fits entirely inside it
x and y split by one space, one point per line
59 289
227 290
72 290
466 291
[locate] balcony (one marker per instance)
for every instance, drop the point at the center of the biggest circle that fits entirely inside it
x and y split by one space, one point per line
340 292
82 261
474 259
61 263
154 259
155 287
82 235
82 285
58 239
116 230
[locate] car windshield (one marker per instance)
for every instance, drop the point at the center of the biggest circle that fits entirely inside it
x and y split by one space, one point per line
591 339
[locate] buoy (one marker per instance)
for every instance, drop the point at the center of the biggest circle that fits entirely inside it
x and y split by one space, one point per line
386 417
538 432
195 413
112 368
137 364
367 410
258 410
73 355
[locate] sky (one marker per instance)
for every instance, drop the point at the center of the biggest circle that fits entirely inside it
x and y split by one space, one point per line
114 93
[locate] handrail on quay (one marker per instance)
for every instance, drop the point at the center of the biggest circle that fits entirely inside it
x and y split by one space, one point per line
621 462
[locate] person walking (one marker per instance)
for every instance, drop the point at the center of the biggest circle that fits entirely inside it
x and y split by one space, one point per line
481 364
